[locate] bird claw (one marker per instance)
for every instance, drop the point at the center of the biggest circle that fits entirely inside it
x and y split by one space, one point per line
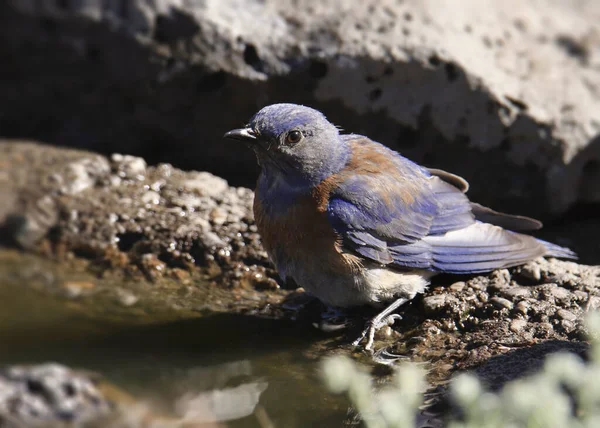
372 327
383 356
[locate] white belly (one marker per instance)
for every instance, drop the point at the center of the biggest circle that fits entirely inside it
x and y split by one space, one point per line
372 285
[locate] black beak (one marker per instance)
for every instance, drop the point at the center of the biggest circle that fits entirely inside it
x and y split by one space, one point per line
246 135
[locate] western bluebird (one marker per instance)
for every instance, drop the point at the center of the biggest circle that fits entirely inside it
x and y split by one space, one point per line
354 222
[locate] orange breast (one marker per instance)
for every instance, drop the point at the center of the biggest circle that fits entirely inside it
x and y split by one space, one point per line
303 234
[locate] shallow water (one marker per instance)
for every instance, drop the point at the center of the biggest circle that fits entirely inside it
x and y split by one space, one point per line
211 366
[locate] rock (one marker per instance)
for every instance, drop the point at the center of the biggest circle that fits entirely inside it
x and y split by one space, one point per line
524 361
531 271
501 303
206 184
560 293
75 289
593 303
435 302
500 278
129 167
517 325
523 307
206 255
515 291
453 87
566 315
193 221
48 395
529 312
126 298
35 180
457 286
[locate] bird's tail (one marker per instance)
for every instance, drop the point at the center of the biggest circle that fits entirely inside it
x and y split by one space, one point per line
553 250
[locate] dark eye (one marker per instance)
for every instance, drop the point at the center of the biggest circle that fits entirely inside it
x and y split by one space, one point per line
293 137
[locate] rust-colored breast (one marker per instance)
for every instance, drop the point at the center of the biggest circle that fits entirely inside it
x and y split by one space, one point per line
302 234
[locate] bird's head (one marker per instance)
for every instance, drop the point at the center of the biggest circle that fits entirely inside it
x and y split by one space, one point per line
294 143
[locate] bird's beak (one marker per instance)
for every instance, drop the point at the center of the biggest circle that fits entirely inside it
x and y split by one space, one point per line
246 135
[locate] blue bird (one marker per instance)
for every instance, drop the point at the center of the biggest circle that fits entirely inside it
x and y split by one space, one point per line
354 222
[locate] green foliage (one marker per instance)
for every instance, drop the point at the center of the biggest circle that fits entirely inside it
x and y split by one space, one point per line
565 393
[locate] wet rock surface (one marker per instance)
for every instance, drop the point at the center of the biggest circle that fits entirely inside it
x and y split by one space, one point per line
471 89
463 324
127 217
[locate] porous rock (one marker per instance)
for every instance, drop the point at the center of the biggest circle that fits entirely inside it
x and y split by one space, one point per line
505 310
49 395
127 216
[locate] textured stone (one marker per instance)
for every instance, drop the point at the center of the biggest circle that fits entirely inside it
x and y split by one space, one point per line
49 395
501 303
435 302
503 93
190 220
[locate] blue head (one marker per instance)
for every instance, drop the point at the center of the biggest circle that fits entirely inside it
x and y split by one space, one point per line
294 144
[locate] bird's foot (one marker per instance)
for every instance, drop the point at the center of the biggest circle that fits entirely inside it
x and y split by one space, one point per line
333 319
385 357
372 327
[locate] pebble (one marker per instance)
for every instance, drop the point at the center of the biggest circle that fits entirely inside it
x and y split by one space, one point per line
501 302
566 315
77 288
523 307
479 283
151 197
458 286
82 174
434 303
437 302
568 326
546 326
517 325
593 303
127 298
515 291
500 278
129 167
205 184
532 271
218 216
559 293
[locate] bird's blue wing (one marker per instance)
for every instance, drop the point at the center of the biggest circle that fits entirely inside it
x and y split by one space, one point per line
383 201
394 212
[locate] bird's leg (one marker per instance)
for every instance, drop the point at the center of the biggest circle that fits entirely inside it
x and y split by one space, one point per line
382 319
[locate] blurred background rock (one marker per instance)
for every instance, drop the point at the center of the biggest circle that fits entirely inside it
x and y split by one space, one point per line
506 94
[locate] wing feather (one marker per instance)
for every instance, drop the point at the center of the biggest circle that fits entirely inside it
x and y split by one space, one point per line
394 212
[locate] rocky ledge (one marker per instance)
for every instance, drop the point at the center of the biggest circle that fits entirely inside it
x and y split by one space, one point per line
160 223
124 215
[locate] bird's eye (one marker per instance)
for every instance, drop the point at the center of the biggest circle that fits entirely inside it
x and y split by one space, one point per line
293 137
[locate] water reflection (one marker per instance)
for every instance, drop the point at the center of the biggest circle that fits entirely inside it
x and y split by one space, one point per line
222 403
236 370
